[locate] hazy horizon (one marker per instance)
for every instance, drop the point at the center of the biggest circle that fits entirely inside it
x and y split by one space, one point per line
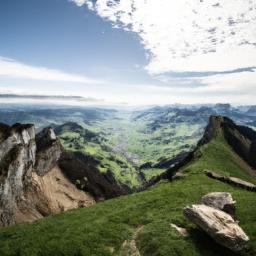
79 101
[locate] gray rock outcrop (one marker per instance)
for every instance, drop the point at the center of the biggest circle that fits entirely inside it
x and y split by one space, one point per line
48 151
231 180
220 200
31 183
17 157
219 225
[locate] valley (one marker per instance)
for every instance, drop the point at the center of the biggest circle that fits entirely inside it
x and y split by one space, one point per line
134 145
143 222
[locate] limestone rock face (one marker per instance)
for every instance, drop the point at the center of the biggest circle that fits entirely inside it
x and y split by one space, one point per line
48 151
17 157
31 183
219 225
220 200
15 135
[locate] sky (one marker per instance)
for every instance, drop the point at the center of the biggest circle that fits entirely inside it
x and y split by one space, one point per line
130 52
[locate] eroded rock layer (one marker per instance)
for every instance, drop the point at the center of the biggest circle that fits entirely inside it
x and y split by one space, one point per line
219 225
31 183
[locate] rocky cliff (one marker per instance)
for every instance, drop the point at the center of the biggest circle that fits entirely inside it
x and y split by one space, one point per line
17 158
49 151
31 183
241 138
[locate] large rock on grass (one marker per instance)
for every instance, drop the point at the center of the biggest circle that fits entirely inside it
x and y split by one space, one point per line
219 225
220 200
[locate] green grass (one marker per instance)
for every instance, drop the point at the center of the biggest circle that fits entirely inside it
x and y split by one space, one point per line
96 146
152 172
102 228
131 142
136 137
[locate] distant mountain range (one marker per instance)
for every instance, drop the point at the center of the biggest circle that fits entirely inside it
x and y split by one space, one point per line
138 138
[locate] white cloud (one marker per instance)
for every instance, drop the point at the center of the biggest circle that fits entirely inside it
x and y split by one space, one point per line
236 88
13 69
187 35
232 84
79 2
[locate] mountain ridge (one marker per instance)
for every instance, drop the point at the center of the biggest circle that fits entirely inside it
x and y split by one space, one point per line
44 153
144 218
217 125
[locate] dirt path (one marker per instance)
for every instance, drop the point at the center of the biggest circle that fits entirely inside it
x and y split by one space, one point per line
129 247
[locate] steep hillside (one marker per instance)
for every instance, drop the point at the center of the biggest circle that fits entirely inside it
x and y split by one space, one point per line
92 149
38 177
139 224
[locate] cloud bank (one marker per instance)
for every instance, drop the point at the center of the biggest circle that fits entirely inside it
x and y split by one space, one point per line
48 99
13 69
202 50
187 35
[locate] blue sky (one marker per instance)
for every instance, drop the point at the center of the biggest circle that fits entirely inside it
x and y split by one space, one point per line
130 52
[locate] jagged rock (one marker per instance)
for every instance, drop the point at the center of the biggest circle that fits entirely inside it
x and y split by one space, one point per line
48 151
213 128
17 157
220 200
26 194
231 180
15 135
45 138
219 225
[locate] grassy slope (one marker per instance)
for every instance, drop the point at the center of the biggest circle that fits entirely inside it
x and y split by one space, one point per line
102 229
123 171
